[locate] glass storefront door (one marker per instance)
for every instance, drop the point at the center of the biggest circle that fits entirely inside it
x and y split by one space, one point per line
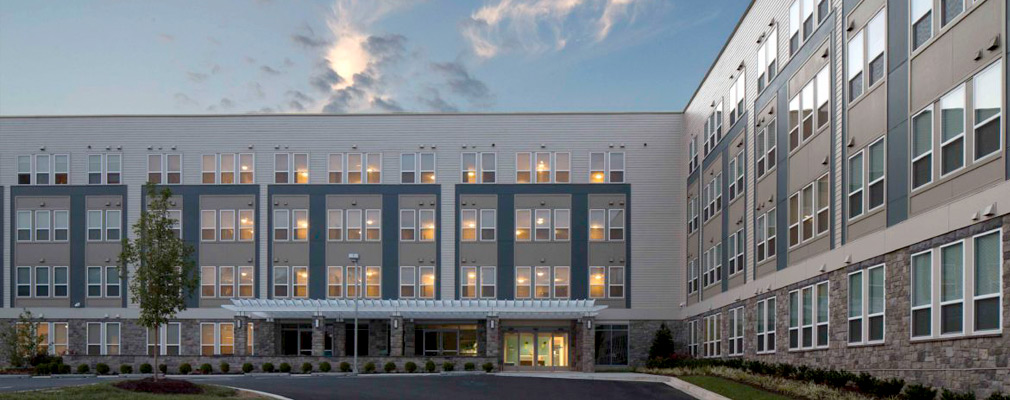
536 350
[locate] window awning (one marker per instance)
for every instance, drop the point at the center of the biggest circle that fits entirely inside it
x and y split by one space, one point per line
415 309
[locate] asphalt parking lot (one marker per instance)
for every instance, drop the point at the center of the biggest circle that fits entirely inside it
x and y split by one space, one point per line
442 387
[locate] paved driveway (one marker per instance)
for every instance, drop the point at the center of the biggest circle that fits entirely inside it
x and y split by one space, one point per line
413 387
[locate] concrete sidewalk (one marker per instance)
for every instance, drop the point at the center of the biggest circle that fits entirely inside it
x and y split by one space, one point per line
692 390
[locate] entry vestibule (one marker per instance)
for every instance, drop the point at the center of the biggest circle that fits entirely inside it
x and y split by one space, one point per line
534 350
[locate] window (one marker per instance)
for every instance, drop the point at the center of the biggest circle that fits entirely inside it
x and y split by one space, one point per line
166 340
523 218
217 338
335 168
543 282
562 224
606 167
794 27
478 282
479 167
417 168
52 337
692 330
988 111
524 169
736 322
712 263
361 168
408 225
713 197
24 281
468 225
246 225
282 225
24 226
866 170
615 285
737 96
611 342
809 211
866 306
876 43
354 225
950 9
208 282
43 219
208 225
220 168
250 339
713 337
803 121
103 281
408 282
373 279
227 230
764 231
550 167
373 225
426 224
736 176
766 326
713 129
808 317
291 168
855 68
736 252
176 217
692 214
543 225
922 22
164 168
95 230
42 282
597 224
524 283
488 225
103 338
291 282
692 154
952 125
692 276
246 277
562 282
113 225
300 227
335 282
105 169
445 340
45 170
946 271
597 282
767 53
922 148
224 281
801 18
334 225
427 279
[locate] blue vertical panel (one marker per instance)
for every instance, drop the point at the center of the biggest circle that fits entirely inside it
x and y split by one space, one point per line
897 181
317 246
506 246
579 273
78 241
782 180
724 215
390 245
191 235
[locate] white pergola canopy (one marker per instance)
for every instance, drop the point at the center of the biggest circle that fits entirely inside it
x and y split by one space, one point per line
415 309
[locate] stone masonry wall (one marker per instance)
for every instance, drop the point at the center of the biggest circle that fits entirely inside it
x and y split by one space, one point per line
977 363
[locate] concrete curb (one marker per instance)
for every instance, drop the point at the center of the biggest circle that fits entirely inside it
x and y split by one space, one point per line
261 393
693 390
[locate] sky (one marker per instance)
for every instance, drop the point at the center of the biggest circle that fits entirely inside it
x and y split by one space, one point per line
88 57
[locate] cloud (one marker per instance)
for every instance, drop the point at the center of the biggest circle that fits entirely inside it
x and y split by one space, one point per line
537 26
250 60
184 101
460 81
310 42
299 96
267 69
227 103
166 38
296 105
197 77
388 105
256 90
325 80
288 63
433 100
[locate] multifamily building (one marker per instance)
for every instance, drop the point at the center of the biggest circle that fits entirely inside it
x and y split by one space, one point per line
834 194
847 191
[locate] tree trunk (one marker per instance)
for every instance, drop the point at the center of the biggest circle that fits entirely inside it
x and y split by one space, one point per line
157 350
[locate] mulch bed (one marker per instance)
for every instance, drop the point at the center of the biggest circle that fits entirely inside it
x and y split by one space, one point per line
167 386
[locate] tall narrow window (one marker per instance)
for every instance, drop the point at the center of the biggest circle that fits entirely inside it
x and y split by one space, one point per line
228 168
468 225
373 225
542 282
334 282
245 281
616 167
856 185
823 93
24 170
488 224
113 169
208 168
922 294
597 225
301 167
875 174
986 291
42 225
766 326
876 43
736 322
354 225
247 168
427 166
469 168
562 167
922 22
597 167
562 282
334 225
335 168
543 163
794 27
373 167
488 167
952 289
354 168
407 282
300 227
523 218
282 167
952 123
922 148
616 220
408 166
988 111
488 279
427 278
543 225
408 226
282 225
562 222
42 169
469 283
426 224
524 169
246 225
615 286
950 9
524 282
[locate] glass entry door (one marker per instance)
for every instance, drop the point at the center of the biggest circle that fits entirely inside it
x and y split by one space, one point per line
536 350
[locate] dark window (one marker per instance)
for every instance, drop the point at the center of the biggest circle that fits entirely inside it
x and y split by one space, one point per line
612 345
362 339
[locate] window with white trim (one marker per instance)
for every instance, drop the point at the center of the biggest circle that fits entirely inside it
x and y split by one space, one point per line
226 281
960 308
765 235
866 174
42 225
692 214
524 282
713 336
334 282
562 224
373 281
408 282
417 168
417 282
43 169
523 225
950 9
988 108
167 341
736 176
692 341
103 338
801 21
468 225
736 321
105 169
479 167
176 217
353 222
952 131
922 22
103 281
804 122
290 282
764 149
217 338
335 168
767 55
765 317
42 281
478 282
220 168
408 225
363 168
692 154
53 337
543 167
736 252
808 317
606 167
866 306
737 96
712 265
713 129
373 225
291 168
809 212
692 276
712 199
334 225
164 169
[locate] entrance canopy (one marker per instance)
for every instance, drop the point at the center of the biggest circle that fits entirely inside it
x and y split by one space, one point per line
415 309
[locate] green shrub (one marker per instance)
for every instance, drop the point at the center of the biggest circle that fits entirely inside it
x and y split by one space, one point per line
488 367
837 379
448 366
126 369
866 383
369 367
101 368
410 367
267 367
285 368
325 366
998 396
206 369
146 368
429 366
247 368
64 369
185 369
952 395
42 369
469 366
306 368
389 367
224 367
919 392
783 370
83 369
888 387
662 344
345 367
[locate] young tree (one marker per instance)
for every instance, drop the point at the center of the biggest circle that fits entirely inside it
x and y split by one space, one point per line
662 344
20 340
164 273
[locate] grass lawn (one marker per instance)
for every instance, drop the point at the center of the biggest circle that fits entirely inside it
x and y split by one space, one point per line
731 389
105 391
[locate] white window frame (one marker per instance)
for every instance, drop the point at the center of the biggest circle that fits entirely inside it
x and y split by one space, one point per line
469 216
103 342
567 285
426 215
768 143
928 153
285 226
692 276
339 285
524 223
999 292
814 324
408 222
487 225
998 67
608 168
218 344
334 222
375 225
246 224
765 328
163 339
479 169
736 329
528 284
335 173
421 272
864 313
963 136
353 221
692 346
767 57
713 336
597 279
542 223
562 222
408 280
227 221
208 223
612 271
99 225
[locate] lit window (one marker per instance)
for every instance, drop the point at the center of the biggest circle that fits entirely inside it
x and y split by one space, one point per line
524 282
426 221
354 225
523 218
334 225
334 282
468 225
227 231
373 225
